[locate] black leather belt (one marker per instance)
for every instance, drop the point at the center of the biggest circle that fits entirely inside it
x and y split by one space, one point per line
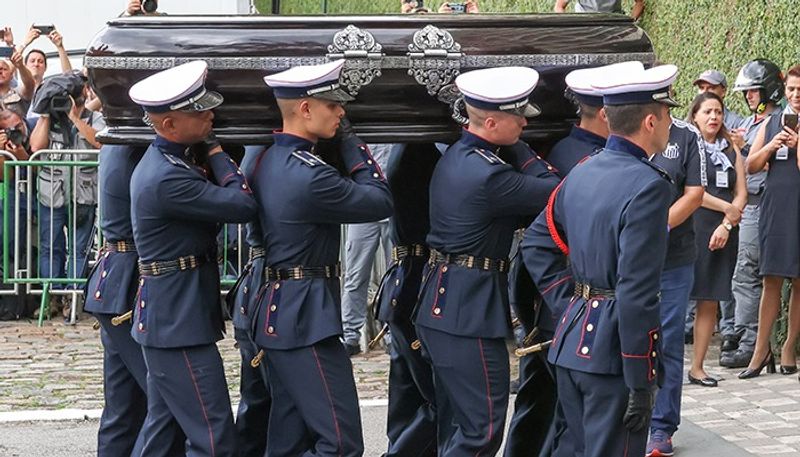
410 250
586 291
470 261
161 267
301 272
257 253
119 246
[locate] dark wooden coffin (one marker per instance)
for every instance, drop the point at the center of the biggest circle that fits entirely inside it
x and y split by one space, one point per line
401 68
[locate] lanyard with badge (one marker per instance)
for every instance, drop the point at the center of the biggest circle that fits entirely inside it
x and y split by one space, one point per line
716 152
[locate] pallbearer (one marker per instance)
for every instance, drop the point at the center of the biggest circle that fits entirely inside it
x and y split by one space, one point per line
476 199
110 293
303 201
179 196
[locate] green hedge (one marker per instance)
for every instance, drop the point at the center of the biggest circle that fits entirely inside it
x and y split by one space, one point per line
693 34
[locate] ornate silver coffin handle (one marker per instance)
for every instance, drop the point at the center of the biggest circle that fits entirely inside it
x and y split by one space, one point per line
434 58
362 54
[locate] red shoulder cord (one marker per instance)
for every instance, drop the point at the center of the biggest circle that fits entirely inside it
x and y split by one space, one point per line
551 223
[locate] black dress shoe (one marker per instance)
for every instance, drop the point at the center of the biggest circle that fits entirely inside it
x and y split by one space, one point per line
688 338
705 382
788 369
729 343
768 362
738 359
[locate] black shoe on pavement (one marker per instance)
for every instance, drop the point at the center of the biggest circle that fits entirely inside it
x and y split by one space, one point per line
729 343
352 349
688 338
738 359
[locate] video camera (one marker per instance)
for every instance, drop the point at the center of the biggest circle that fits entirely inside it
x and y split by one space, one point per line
53 95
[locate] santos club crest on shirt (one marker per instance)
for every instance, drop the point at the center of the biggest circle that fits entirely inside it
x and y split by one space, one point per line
672 151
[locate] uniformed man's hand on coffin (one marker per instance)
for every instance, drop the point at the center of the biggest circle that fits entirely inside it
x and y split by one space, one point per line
345 129
640 408
212 145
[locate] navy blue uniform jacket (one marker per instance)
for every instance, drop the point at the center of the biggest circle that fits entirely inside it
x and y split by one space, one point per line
573 148
176 210
113 281
302 203
476 200
612 213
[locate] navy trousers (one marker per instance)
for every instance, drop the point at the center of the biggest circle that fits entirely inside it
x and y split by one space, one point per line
252 417
471 377
314 408
189 385
411 421
124 386
594 406
531 428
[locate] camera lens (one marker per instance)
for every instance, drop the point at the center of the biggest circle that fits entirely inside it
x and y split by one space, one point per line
149 6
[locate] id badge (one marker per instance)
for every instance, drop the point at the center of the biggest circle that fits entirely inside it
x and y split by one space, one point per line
722 179
782 153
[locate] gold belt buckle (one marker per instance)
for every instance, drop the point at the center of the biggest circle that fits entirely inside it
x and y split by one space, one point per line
586 292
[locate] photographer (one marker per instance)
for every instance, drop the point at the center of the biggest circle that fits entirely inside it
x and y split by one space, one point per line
36 60
64 123
468 7
141 7
14 140
16 99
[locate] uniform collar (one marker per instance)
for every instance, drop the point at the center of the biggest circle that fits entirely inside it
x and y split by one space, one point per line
617 143
581 134
470 139
294 142
172 148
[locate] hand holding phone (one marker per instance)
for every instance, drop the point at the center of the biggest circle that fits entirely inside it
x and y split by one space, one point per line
44 29
789 120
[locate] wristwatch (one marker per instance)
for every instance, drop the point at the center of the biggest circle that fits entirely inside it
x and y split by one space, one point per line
728 226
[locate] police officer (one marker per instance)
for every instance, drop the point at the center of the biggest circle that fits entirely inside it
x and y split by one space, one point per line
411 420
298 323
761 83
589 135
176 196
110 293
476 199
685 163
606 345
252 415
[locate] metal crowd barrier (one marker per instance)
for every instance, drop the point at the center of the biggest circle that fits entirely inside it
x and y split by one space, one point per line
22 234
22 231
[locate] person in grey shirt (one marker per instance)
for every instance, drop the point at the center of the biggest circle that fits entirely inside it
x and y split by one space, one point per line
600 6
361 246
761 83
715 81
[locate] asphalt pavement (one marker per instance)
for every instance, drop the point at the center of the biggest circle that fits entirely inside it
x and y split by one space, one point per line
78 438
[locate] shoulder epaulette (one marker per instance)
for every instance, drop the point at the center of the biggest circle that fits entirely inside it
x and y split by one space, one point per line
176 161
489 156
659 170
308 158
